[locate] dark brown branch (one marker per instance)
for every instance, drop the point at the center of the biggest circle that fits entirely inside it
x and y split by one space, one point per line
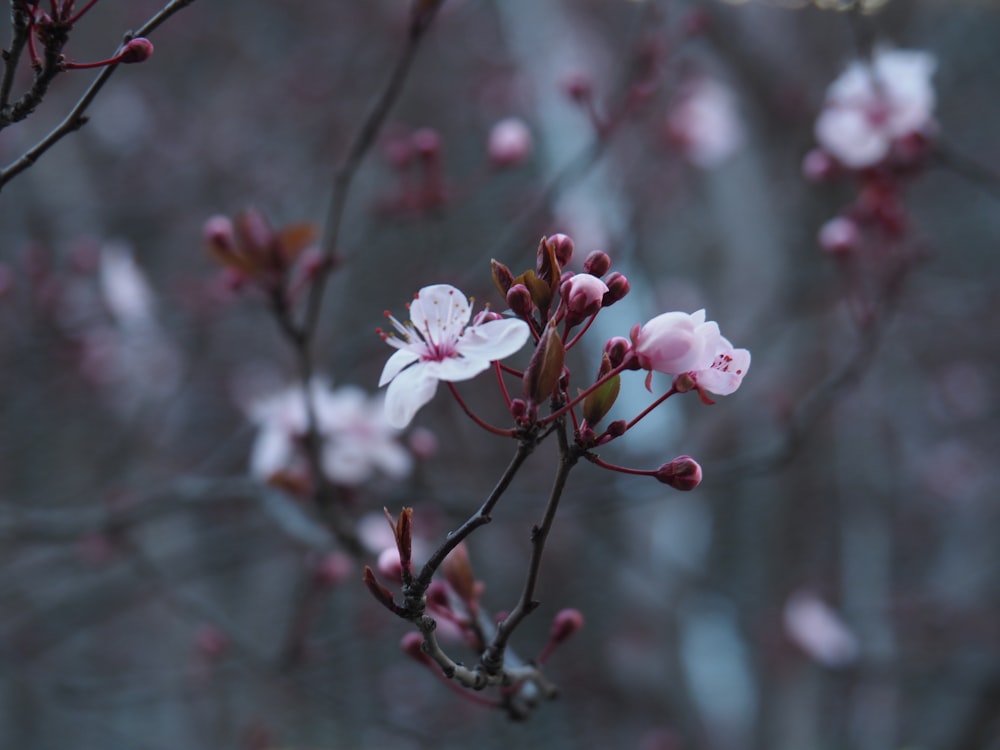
493 657
344 175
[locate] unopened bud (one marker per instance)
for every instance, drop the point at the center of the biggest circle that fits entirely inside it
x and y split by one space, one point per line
518 408
333 569
819 166
510 142
565 624
563 246
617 428
579 87
839 236
427 142
138 50
219 235
616 348
519 300
618 287
388 565
597 263
683 473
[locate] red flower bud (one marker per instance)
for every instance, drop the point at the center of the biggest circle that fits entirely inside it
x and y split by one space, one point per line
616 348
683 473
519 300
618 287
565 624
597 263
138 50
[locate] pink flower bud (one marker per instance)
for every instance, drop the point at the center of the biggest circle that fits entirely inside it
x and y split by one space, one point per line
579 87
819 166
618 287
584 295
597 263
510 142
616 348
840 236
388 565
427 142
563 246
423 442
565 624
519 300
683 473
219 235
333 569
138 50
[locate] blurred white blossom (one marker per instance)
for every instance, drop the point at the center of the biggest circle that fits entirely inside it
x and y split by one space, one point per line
357 438
872 104
819 631
703 123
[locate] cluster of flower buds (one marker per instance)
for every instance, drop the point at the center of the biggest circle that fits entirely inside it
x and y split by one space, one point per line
280 261
876 127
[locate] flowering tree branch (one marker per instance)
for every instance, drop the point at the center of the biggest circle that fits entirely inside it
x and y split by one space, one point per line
76 118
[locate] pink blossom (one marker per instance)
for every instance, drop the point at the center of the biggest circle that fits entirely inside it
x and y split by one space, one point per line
871 105
704 123
510 142
676 342
439 344
679 343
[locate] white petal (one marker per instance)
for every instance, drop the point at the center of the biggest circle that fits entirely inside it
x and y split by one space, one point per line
400 359
494 340
272 450
409 390
440 311
455 369
724 382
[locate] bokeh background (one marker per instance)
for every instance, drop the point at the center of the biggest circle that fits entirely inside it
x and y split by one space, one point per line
833 583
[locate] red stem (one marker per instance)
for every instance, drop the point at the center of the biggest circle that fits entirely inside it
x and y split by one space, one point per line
485 425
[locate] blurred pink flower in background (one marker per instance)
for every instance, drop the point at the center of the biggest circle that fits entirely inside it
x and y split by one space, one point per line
704 124
510 142
871 105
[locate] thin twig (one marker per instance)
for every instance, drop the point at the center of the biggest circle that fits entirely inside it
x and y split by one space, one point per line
493 657
76 118
480 518
344 175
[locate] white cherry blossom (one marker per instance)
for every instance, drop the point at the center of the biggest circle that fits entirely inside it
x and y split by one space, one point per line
872 104
439 344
